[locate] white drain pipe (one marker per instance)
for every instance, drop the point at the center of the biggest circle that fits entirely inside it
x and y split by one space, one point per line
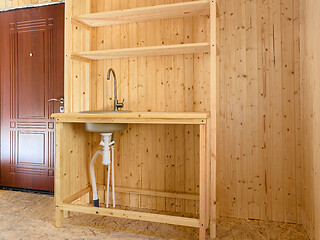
108 183
105 153
93 178
106 143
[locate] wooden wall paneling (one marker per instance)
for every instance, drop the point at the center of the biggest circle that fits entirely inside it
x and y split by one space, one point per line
97 98
297 94
159 162
275 96
112 37
262 176
252 121
169 144
150 183
263 46
76 65
231 169
288 98
142 104
221 115
188 107
178 83
123 94
307 105
309 113
78 88
67 59
132 102
122 86
145 89
258 104
85 67
211 128
240 91
78 178
93 86
201 97
305 26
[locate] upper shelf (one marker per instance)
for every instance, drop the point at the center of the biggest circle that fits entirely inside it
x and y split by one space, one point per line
142 51
185 9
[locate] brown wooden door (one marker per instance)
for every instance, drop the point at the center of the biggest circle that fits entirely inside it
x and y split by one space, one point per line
31 64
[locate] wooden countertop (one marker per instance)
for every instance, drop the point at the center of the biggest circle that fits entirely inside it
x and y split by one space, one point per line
134 117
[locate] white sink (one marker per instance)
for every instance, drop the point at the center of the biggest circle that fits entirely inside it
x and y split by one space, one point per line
106 127
105 111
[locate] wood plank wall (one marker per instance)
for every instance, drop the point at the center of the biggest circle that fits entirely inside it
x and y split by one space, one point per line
310 113
148 156
258 123
15 3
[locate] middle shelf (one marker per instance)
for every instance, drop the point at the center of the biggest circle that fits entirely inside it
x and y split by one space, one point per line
189 48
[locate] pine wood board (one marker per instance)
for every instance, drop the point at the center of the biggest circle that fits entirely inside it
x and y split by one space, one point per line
173 10
134 117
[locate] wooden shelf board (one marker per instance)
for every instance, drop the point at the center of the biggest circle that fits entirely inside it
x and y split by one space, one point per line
142 51
185 9
146 192
143 216
135 117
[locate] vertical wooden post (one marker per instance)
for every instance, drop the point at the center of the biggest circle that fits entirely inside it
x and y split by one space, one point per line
214 104
67 70
93 64
67 56
203 190
208 172
58 175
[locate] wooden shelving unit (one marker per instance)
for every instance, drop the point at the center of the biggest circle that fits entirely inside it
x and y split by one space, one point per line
207 128
185 9
142 51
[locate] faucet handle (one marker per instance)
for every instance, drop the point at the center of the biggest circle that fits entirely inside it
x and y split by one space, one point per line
118 104
121 104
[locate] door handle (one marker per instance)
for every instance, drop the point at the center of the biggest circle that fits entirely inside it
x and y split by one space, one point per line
61 100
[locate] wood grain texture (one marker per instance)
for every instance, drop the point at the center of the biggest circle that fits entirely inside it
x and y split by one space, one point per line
258 124
143 14
169 83
259 160
16 3
310 128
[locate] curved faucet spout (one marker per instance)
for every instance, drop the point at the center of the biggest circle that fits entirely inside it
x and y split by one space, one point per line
114 82
116 104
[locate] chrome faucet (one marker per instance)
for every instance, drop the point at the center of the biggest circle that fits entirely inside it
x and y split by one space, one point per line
116 104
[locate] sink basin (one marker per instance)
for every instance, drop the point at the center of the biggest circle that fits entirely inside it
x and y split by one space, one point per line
105 111
106 127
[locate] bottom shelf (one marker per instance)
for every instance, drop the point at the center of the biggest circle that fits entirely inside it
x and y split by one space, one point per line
68 205
143 216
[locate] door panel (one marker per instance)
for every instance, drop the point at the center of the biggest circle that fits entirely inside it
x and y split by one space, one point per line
30 84
31 64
